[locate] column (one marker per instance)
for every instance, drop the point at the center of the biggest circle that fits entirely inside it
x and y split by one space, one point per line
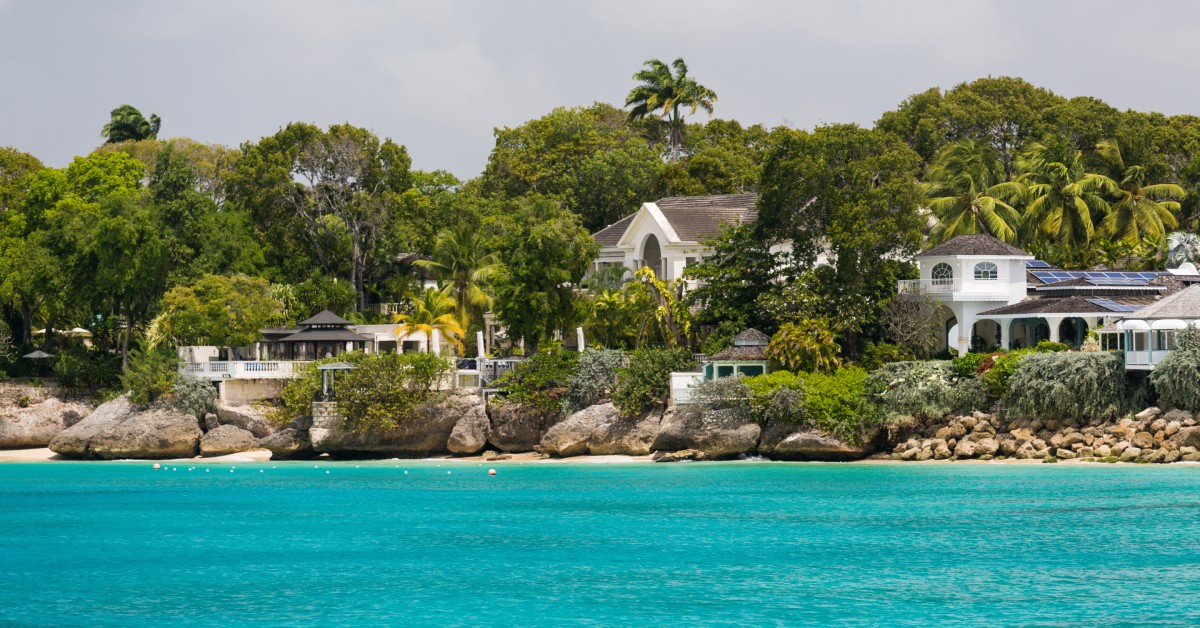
1005 331
1054 322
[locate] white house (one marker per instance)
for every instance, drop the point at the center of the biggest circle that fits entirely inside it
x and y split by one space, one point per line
1150 333
668 235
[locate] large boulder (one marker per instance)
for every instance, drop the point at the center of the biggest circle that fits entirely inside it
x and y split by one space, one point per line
626 437
470 433
157 432
718 434
516 428
787 442
288 443
225 440
74 441
572 436
426 434
1187 437
247 417
38 424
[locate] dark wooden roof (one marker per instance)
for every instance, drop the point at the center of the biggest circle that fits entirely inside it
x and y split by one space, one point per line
974 244
325 318
325 335
694 218
751 337
1072 305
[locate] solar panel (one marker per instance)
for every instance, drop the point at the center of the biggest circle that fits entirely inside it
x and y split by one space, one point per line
1113 306
1037 263
1116 281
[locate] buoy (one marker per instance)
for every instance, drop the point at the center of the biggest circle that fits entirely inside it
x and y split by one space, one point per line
326 473
260 471
447 473
156 465
491 472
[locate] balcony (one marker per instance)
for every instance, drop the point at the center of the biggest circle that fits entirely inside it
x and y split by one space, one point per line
929 286
216 371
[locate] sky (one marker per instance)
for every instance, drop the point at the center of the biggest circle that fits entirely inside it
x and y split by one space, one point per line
440 75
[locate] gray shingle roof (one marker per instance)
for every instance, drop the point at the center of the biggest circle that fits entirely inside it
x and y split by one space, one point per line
694 218
751 337
1184 304
1038 306
741 354
325 335
325 318
974 244
611 235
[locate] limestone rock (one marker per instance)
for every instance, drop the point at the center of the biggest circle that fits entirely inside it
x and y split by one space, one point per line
678 456
470 434
1187 437
571 436
628 437
226 439
718 434
1143 440
955 430
516 429
247 417
1064 454
288 443
966 449
157 432
1072 438
38 424
425 434
783 442
1172 428
987 447
1130 454
1183 416
1148 414
73 441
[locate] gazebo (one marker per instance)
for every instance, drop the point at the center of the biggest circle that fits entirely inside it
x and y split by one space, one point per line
329 375
323 335
746 357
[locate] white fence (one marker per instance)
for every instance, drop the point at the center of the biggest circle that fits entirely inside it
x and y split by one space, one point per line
216 371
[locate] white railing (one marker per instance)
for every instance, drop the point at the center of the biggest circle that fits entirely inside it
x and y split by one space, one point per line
682 385
932 286
242 370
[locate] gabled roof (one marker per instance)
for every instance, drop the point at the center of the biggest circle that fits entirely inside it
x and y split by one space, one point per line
692 218
325 317
751 337
1184 304
325 335
974 244
1072 306
755 353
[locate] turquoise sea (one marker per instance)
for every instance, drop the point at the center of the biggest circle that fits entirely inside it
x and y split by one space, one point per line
404 543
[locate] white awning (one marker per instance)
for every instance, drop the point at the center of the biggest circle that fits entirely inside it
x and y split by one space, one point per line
1168 323
1133 325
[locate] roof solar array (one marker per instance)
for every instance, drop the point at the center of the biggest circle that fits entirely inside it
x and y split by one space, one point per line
1121 277
1113 306
1037 263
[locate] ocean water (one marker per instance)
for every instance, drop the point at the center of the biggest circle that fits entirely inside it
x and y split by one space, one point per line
415 543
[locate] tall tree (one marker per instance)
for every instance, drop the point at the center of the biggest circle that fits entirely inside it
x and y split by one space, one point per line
219 310
1065 201
968 193
127 124
661 90
432 311
1140 207
463 264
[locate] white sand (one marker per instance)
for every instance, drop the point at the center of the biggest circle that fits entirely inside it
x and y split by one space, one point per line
28 455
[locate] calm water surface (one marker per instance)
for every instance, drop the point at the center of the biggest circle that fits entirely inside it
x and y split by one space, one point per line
392 543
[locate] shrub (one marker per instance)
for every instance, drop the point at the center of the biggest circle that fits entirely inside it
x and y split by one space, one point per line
646 382
875 355
721 338
1068 385
87 369
970 364
806 345
839 403
539 382
193 395
778 397
389 389
150 375
1177 377
999 370
593 380
924 390
23 401
729 395
1049 346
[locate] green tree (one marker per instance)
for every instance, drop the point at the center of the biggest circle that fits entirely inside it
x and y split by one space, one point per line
1140 207
219 310
805 345
462 263
661 90
731 279
1064 199
544 253
967 192
128 124
15 166
433 310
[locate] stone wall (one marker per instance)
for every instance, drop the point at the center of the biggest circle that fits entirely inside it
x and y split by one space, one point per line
236 391
36 391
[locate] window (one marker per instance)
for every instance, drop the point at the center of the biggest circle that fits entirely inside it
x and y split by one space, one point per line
943 275
1139 340
1165 340
985 271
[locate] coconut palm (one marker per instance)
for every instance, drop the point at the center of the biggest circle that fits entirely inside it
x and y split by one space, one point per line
661 90
128 124
432 311
1064 201
462 263
805 345
1140 208
968 193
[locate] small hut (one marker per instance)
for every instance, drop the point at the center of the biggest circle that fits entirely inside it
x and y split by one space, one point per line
324 335
747 356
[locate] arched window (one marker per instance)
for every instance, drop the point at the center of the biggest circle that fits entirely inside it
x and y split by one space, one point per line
943 275
985 271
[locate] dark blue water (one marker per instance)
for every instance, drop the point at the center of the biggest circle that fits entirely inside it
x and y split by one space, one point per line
545 544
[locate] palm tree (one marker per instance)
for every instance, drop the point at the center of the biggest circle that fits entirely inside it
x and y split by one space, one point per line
461 262
1139 209
967 191
660 90
805 345
127 124
432 311
1065 201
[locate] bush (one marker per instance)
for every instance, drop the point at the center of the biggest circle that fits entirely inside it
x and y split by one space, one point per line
729 395
646 382
193 395
1068 385
778 397
389 389
924 390
806 345
151 374
1177 377
593 380
87 369
876 355
839 403
998 370
539 382
1049 346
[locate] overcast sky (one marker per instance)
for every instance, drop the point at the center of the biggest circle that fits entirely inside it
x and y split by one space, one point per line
438 76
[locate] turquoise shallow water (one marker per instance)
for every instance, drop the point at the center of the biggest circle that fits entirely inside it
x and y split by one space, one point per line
546 544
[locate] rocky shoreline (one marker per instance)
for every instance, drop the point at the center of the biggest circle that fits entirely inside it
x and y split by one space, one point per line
459 425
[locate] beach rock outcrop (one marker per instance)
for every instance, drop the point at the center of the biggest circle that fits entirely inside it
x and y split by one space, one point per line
785 442
156 432
288 443
718 434
426 434
225 440
470 433
246 417
73 441
571 436
38 424
516 428
626 437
